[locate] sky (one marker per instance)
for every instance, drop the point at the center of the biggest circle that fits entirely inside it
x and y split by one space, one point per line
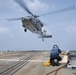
62 26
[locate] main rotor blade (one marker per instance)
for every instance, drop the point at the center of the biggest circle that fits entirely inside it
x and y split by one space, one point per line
61 10
21 3
14 19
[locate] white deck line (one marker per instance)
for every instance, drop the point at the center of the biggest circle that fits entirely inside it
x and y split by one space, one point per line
23 60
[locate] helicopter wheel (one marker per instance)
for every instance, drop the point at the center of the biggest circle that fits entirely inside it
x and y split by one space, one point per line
30 19
25 30
41 25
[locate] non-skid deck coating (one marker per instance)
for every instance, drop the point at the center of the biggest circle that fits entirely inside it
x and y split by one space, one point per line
35 66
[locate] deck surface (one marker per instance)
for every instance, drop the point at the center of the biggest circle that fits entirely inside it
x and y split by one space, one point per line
35 66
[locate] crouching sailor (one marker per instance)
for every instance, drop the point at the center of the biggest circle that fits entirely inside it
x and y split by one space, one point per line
54 55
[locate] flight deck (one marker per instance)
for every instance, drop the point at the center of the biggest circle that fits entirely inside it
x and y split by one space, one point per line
31 63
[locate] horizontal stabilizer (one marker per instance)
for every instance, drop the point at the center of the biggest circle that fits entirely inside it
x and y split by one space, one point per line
47 36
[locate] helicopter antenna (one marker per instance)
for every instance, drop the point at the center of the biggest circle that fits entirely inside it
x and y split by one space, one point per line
61 10
22 4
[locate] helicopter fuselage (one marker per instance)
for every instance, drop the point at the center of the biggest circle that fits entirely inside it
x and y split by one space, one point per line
33 24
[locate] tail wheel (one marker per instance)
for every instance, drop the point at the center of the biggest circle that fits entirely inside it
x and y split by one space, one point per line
25 30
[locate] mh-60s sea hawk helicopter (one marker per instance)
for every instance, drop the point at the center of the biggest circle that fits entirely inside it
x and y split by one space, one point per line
32 22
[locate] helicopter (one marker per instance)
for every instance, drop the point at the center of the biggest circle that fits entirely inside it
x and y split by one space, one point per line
33 23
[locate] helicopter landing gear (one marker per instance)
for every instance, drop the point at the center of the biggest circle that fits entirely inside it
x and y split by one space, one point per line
25 30
41 25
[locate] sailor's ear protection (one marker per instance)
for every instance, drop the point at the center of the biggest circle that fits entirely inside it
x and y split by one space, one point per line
55 46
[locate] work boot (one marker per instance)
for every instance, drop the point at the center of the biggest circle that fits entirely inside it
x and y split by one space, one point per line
57 63
53 63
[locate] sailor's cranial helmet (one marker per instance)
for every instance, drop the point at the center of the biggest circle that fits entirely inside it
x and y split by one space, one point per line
55 46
